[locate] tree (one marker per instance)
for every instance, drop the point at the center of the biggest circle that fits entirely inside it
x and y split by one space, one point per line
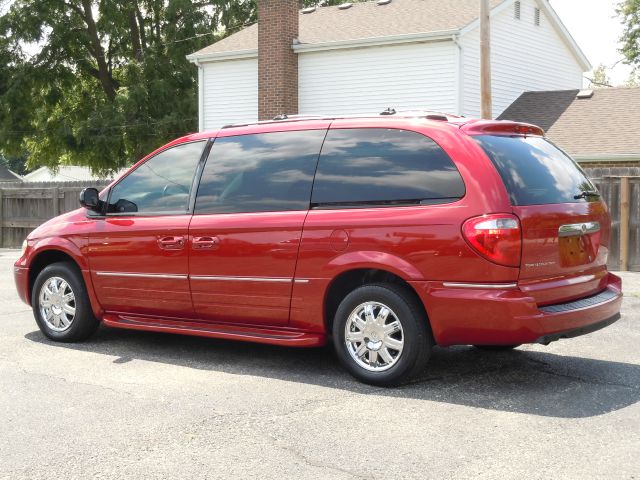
600 78
110 81
634 78
629 13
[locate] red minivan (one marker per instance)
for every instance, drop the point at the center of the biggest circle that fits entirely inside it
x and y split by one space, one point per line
388 234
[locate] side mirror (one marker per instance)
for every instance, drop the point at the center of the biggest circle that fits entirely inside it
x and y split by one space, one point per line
89 199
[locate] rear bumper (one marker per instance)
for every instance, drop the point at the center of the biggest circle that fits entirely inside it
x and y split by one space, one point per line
493 316
576 332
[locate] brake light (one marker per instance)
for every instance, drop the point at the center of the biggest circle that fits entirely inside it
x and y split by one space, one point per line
497 237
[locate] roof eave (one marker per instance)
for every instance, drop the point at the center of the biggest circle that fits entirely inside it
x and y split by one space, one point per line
222 56
607 157
419 37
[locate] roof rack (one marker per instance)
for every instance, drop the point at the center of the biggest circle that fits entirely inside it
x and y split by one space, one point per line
390 111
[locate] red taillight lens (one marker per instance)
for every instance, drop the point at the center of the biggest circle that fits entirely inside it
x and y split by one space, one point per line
496 237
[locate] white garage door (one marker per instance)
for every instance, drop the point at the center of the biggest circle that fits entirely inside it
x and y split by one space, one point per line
230 92
370 79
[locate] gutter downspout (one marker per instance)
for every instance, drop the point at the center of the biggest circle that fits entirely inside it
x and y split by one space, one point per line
459 75
197 63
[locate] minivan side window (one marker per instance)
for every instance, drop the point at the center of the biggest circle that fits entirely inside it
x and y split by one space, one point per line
160 185
263 172
377 166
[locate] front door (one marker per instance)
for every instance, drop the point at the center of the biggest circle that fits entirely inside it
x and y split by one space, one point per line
138 253
244 236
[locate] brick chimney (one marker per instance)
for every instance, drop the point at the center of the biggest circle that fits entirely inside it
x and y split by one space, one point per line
277 63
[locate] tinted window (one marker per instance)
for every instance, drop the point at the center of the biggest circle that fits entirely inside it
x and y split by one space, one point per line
534 170
161 184
260 173
377 165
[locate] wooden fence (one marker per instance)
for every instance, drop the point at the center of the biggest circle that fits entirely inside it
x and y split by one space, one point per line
25 206
620 189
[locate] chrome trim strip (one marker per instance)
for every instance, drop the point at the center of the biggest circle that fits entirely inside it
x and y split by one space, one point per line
241 279
301 280
141 275
575 229
496 286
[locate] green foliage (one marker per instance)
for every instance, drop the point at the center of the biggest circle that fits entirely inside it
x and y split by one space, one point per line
634 78
109 80
102 82
600 77
15 164
629 13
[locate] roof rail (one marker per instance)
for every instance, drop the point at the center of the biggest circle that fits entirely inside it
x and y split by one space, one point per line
418 113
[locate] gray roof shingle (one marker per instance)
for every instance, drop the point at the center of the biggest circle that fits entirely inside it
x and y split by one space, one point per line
365 20
607 123
7 175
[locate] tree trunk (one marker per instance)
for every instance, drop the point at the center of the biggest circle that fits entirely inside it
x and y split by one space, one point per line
103 69
143 34
135 35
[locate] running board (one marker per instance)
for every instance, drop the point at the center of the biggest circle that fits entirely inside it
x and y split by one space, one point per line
228 332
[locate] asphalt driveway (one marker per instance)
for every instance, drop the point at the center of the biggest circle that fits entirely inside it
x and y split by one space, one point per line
144 405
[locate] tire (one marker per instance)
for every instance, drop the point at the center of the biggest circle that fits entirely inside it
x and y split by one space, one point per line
496 348
391 366
70 318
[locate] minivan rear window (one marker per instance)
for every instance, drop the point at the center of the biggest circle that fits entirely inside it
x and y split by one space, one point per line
380 166
535 171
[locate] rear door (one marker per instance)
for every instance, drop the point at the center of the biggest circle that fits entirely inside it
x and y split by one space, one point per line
565 224
245 233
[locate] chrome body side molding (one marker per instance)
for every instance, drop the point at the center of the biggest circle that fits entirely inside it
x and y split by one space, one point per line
143 275
496 286
218 278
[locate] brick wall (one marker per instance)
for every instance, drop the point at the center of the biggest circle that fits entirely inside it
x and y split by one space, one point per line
277 63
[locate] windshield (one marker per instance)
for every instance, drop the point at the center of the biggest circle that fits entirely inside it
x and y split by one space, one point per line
535 171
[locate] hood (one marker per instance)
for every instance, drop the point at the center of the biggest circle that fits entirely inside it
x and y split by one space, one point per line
60 225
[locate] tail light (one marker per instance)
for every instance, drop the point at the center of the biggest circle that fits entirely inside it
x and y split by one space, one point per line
497 237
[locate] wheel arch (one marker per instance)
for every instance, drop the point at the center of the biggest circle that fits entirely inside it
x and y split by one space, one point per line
46 257
347 281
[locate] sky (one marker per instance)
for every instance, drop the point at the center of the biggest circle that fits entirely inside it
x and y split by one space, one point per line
595 27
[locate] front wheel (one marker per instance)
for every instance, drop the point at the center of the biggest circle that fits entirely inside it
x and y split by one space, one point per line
61 304
381 334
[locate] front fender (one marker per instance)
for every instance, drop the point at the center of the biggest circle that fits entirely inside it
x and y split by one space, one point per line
74 247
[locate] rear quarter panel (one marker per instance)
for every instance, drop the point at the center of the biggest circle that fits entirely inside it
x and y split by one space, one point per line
417 243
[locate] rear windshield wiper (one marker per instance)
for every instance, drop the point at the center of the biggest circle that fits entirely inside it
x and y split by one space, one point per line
586 193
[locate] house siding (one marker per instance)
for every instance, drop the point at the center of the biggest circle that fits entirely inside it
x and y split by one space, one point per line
230 92
525 57
422 75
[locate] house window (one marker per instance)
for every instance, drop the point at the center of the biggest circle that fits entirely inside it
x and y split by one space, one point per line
516 10
537 17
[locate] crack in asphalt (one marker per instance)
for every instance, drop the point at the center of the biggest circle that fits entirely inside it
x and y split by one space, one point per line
74 382
288 448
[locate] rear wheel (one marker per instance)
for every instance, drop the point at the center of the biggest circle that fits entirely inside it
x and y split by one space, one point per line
61 305
381 334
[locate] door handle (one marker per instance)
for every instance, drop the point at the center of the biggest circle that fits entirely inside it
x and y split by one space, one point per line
171 243
205 243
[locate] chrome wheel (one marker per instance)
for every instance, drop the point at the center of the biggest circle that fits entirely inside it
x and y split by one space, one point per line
57 304
374 337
